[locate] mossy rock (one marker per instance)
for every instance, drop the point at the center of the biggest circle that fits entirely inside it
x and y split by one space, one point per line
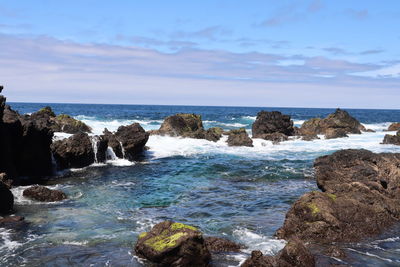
68 124
169 243
47 110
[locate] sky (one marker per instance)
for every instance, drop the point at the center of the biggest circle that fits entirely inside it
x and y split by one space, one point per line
262 53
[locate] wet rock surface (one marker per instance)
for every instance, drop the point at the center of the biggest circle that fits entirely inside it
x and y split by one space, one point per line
392 139
73 152
336 124
44 194
133 139
293 254
359 199
218 244
173 244
272 122
239 137
6 199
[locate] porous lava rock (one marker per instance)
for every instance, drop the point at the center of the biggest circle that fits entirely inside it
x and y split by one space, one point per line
44 194
173 244
239 137
272 122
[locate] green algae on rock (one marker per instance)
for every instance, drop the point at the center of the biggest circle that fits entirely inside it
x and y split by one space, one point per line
173 244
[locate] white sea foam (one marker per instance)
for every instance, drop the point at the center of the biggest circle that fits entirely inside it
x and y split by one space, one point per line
254 241
6 242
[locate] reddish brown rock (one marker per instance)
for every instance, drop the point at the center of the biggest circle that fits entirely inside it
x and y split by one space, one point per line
394 126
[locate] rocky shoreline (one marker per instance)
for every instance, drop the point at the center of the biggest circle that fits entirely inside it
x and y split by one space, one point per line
358 197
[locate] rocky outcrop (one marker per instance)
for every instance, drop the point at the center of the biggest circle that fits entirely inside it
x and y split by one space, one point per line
392 139
332 133
133 138
41 193
239 137
67 124
294 254
173 244
24 147
394 127
182 124
213 134
276 138
73 152
6 199
218 244
268 123
113 142
336 124
360 198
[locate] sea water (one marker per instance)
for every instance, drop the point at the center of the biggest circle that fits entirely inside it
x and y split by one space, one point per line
240 193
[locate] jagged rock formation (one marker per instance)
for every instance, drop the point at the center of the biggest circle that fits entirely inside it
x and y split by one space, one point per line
337 124
273 126
239 137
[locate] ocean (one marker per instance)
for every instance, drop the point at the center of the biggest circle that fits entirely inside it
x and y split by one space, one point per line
240 193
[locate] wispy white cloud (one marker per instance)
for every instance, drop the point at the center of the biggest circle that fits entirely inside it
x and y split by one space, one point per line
49 70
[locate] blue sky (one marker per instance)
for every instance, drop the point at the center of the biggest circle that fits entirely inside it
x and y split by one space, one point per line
248 53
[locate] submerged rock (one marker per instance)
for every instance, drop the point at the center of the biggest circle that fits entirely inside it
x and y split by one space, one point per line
336 124
41 193
276 138
394 127
73 152
360 198
294 254
6 199
239 137
218 244
173 244
133 139
272 122
392 139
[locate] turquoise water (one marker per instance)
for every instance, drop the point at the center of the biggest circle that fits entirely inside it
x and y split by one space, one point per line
239 193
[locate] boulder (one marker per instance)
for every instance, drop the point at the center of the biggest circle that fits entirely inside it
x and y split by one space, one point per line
182 124
394 126
332 133
392 139
272 122
218 244
213 134
239 137
173 244
113 142
276 137
360 198
294 254
340 119
6 199
73 152
133 139
41 193
67 124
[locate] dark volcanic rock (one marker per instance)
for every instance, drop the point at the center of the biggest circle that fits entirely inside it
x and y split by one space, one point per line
67 124
217 244
185 125
332 133
276 138
213 134
272 122
73 152
340 119
392 139
6 199
173 244
113 143
394 126
239 137
133 139
44 194
294 254
360 198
